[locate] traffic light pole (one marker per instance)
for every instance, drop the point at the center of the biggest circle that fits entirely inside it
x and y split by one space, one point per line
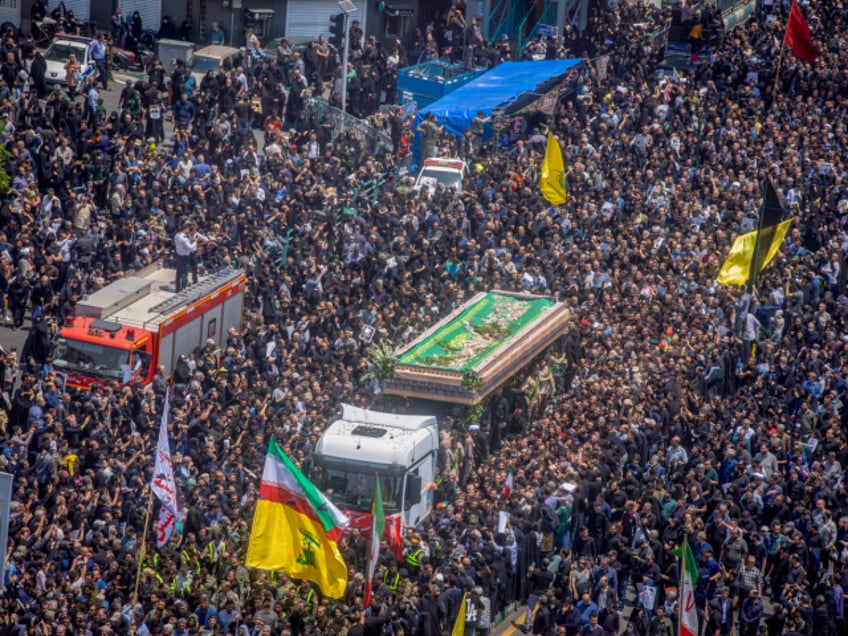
345 54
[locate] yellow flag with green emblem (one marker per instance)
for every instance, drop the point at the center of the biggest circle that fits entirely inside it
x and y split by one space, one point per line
552 181
296 528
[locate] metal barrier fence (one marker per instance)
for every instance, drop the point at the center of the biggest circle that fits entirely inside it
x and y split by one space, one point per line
375 140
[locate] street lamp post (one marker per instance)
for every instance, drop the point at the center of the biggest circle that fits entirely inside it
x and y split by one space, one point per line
347 8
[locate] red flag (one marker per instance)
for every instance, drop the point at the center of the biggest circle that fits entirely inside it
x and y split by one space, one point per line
798 36
393 533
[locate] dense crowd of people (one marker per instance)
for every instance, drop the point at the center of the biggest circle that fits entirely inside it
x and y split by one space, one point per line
679 409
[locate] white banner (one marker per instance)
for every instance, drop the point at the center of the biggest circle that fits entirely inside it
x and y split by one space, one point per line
503 518
165 524
163 484
602 66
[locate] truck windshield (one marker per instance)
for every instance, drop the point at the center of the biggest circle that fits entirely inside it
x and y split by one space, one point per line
89 358
355 490
448 177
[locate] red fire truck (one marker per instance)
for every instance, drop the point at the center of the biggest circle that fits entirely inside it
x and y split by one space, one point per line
122 332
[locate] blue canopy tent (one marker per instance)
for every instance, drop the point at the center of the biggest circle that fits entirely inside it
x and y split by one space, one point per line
496 89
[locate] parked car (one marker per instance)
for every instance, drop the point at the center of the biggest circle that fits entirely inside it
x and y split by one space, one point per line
302 45
212 58
59 51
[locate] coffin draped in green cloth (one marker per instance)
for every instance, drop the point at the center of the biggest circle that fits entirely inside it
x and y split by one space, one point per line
474 334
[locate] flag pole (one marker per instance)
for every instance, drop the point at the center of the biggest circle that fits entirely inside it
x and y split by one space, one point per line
777 73
680 600
755 265
141 549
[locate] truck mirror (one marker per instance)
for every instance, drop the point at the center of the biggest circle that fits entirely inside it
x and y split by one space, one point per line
413 490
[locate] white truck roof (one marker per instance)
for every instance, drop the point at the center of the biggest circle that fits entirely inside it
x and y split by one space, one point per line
406 422
380 438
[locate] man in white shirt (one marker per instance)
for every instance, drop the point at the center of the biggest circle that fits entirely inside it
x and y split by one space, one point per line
253 47
185 245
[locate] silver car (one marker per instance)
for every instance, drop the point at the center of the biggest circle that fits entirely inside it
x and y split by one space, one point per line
58 53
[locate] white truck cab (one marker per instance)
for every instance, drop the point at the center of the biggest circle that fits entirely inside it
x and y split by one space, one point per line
362 444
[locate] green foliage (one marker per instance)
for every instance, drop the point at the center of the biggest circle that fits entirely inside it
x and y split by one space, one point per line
5 179
384 358
471 382
473 415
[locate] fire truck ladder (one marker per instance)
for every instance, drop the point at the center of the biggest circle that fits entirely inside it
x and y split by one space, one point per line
191 293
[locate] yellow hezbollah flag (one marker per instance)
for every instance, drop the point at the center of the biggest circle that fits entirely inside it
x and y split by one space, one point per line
552 181
736 269
459 623
295 527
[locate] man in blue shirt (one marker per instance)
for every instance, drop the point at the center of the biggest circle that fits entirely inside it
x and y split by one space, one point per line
587 607
97 52
216 34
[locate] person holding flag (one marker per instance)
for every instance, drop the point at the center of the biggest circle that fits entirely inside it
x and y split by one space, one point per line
752 252
164 487
459 623
798 36
689 625
163 484
799 39
378 524
296 528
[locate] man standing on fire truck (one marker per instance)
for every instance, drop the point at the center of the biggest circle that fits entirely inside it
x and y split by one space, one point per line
185 245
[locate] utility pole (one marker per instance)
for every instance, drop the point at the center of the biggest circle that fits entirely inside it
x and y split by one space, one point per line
560 18
347 8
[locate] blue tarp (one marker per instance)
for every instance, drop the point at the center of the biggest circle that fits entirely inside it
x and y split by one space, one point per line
503 84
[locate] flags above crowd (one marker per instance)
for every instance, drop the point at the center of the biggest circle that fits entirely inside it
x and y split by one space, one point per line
163 484
798 36
552 181
296 528
752 252
378 525
688 581
459 623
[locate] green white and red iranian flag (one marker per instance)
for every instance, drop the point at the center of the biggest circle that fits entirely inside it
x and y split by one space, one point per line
378 525
688 581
